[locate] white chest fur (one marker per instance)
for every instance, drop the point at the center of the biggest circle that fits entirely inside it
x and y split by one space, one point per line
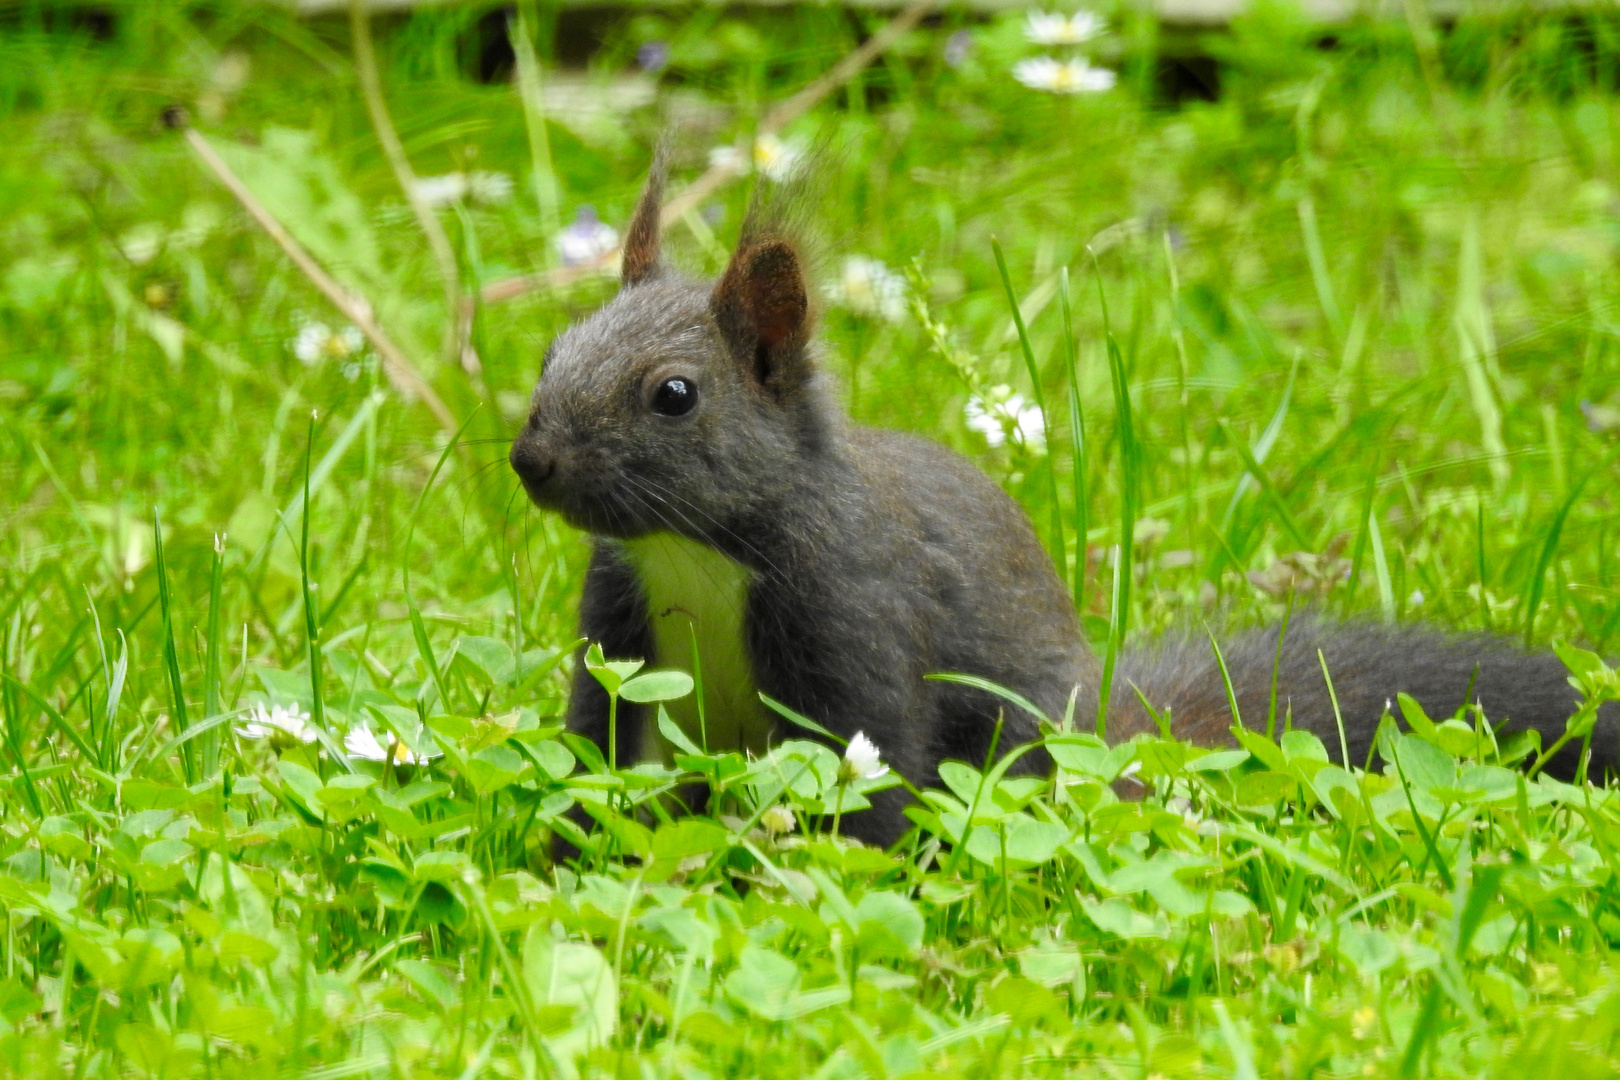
696 595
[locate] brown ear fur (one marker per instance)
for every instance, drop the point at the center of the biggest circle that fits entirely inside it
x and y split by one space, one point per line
643 239
763 310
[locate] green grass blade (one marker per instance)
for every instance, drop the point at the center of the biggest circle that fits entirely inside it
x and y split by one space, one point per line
1424 1032
1056 540
1386 591
1077 443
98 738
1178 338
1276 670
315 479
213 666
424 647
697 688
54 716
1317 257
171 657
1263 445
1338 717
312 626
1476 349
13 721
1263 478
1130 470
1363 533
1226 678
110 740
531 93
1549 549
798 718
991 688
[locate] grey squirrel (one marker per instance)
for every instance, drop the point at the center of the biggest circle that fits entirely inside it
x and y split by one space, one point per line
687 428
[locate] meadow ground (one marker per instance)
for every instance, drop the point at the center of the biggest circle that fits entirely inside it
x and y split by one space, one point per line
1364 310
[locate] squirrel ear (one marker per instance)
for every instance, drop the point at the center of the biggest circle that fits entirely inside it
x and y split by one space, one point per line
763 310
642 240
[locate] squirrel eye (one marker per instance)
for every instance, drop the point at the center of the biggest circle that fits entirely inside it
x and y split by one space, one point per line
674 397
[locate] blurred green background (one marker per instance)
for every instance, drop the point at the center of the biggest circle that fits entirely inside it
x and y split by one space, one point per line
1361 280
1382 260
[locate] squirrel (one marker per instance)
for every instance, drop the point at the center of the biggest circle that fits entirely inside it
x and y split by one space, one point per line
734 508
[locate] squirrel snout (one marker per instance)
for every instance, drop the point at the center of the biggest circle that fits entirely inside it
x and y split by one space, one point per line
533 466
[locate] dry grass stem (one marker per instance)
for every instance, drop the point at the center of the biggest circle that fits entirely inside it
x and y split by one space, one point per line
401 372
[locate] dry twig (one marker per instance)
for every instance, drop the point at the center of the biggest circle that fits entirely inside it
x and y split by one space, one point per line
401 372
365 64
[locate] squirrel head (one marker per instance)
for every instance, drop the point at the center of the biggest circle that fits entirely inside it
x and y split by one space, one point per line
680 405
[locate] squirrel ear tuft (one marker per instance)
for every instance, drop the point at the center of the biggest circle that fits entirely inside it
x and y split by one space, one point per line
643 239
762 308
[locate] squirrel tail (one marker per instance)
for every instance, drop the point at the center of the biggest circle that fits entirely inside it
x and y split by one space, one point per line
1369 664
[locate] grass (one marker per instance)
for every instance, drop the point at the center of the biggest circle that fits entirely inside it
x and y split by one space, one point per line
1360 316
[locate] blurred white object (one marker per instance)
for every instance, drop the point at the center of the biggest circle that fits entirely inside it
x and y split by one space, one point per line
587 239
1000 412
1055 28
1063 76
868 287
285 719
861 760
361 742
775 159
317 342
778 819
478 186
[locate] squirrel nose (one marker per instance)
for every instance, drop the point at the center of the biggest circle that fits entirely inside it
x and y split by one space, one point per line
532 466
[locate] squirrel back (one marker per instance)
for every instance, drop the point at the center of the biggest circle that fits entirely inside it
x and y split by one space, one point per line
686 427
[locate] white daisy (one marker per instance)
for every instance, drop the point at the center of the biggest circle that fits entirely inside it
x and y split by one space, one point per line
1000 413
778 820
290 720
317 342
476 186
360 742
861 761
1184 807
587 239
1062 76
868 287
775 159
489 187
441 190
1055 28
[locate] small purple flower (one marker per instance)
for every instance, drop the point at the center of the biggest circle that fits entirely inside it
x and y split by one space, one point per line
653 56
958 47
1601 419
587 239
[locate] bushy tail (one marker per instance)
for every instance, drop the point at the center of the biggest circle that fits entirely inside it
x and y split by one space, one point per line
1370 664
